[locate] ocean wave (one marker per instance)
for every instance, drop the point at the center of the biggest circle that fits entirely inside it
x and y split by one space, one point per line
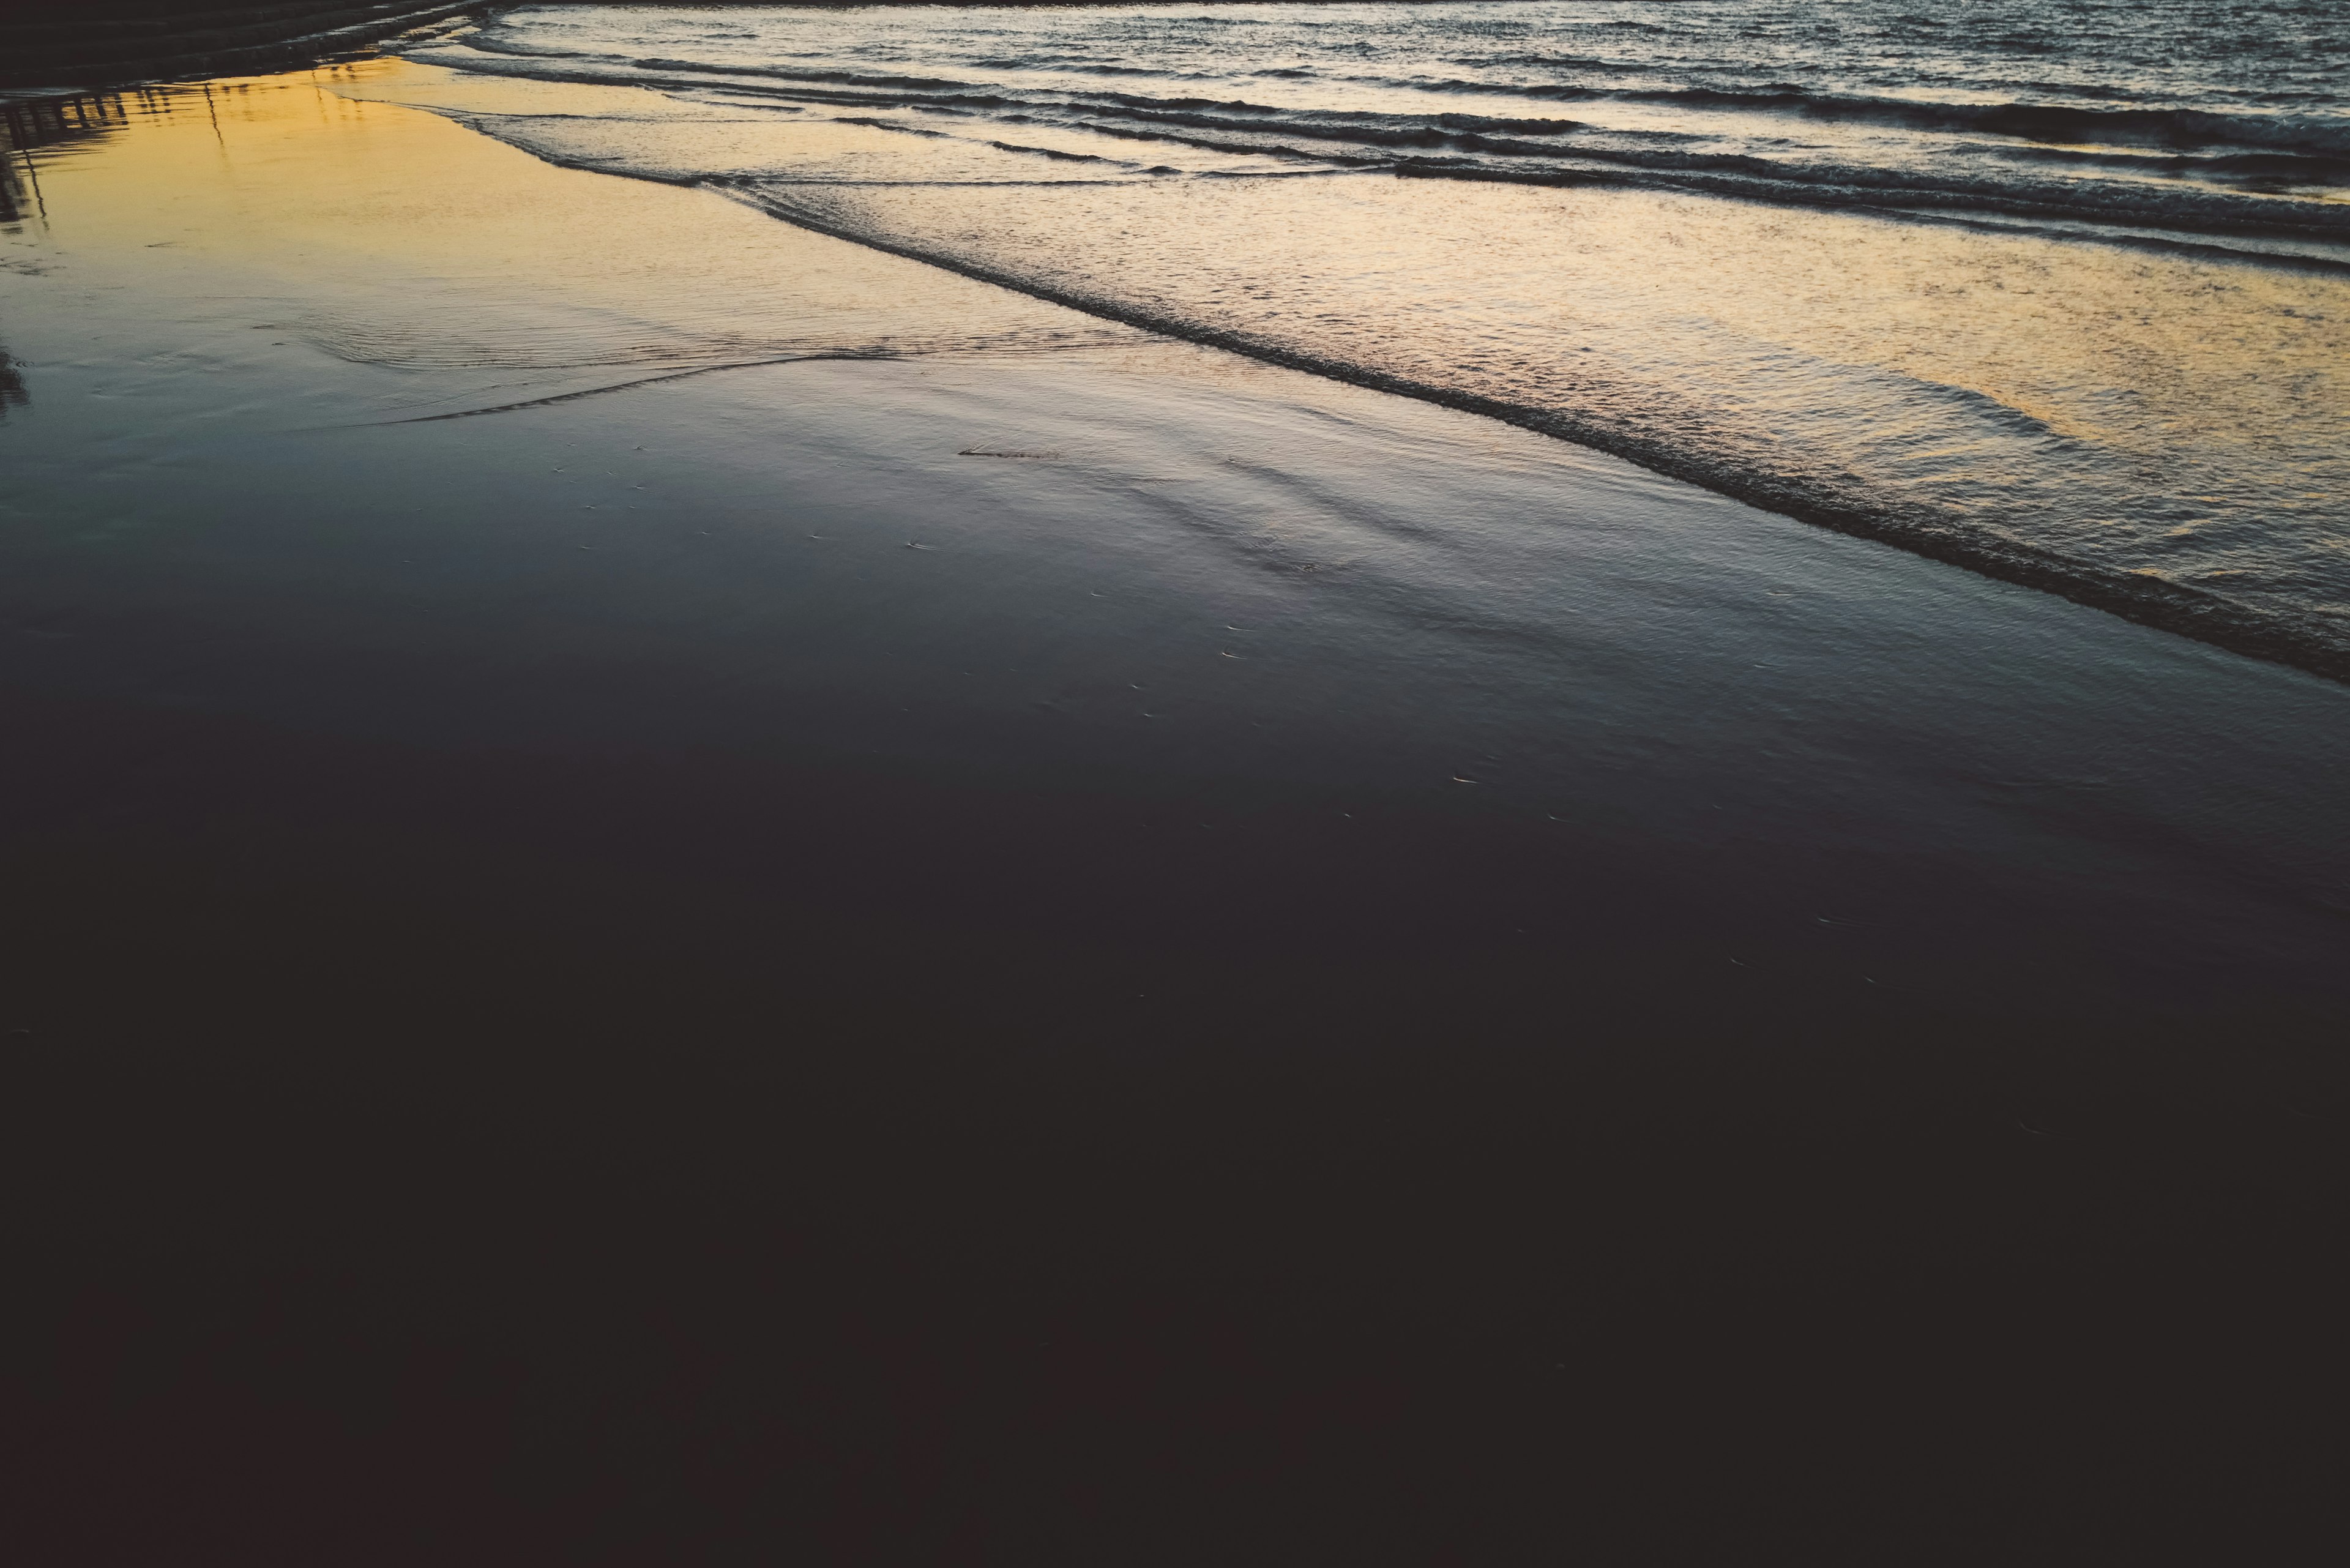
2173 455
2152 598
2180 128
866 81
1375 129
1577 155
1553 151
2117 125
875 124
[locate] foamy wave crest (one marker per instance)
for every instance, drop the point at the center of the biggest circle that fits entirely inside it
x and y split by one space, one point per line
2014 160
1962 296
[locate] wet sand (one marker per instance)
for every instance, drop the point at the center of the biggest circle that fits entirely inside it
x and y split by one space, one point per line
680 888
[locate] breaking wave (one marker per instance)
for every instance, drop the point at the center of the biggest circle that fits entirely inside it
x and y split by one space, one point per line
2061 294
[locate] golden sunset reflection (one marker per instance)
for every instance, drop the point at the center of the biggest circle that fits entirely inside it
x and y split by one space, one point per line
2119 411
1484 782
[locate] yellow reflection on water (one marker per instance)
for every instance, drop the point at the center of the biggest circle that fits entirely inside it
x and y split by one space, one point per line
393 238
2145 411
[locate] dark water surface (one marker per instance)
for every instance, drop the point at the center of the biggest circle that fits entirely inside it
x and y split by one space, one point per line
954 934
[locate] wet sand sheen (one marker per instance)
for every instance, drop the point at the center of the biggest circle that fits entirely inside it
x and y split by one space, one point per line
1424 595
1139 885
2144 420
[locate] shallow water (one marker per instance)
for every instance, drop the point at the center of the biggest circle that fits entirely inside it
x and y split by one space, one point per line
2061 299
336 414
679 963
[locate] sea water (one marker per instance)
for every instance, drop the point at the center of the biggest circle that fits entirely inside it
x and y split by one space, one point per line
2059 289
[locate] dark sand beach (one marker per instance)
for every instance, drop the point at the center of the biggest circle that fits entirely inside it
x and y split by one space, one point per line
682 892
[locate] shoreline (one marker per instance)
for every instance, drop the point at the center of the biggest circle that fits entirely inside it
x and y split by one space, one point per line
2139 595
1019 940
438 333
2167 606
1970 517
